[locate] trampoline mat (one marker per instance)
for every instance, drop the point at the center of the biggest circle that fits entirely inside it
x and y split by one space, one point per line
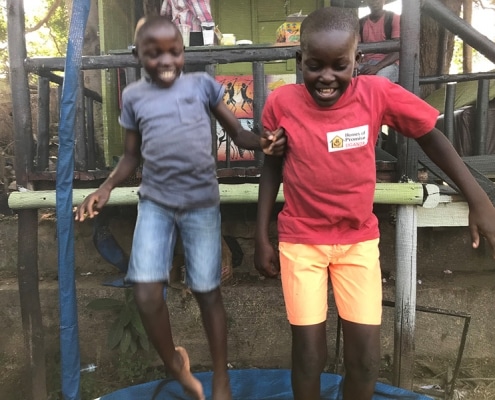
254 384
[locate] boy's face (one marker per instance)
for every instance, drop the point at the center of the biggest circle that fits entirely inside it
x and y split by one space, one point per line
375 5
161 52
327 62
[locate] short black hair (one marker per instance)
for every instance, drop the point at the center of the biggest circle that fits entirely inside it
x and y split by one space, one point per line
152 22
329 19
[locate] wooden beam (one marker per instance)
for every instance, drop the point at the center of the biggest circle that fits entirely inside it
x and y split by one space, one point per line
196 55
445 214
385 193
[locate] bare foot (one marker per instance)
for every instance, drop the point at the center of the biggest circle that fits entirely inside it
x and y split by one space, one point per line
221 386
191 385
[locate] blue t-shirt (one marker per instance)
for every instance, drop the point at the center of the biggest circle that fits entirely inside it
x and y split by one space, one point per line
179 170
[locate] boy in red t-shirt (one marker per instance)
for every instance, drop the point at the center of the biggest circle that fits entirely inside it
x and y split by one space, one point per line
327 227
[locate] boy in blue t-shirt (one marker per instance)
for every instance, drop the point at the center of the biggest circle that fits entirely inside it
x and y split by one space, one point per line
167 122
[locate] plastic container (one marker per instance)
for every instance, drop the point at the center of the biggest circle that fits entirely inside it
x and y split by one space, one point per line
228 39
208 29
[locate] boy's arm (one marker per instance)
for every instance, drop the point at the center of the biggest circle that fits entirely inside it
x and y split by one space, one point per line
265 258
481 211
389 59
272 143
125 167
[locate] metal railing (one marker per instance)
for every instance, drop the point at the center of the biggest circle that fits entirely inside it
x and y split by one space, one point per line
208 58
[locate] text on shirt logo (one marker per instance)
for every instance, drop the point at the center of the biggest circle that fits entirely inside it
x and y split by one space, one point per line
347 138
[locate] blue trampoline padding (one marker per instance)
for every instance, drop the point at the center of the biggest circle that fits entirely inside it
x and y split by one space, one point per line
254 384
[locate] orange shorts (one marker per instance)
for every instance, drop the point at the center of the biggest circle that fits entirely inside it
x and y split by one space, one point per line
355 275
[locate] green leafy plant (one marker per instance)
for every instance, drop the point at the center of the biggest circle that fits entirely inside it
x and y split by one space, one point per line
127 331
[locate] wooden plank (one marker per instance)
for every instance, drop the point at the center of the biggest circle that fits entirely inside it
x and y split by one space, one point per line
60 81
445 214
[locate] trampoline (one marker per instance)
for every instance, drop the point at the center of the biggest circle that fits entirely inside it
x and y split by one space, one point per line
253 384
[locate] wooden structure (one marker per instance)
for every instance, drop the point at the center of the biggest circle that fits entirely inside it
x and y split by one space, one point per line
31 178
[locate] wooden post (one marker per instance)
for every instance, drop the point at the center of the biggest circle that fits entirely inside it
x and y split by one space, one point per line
81 145
27 245
259 98
90 132
448 119
210 69
43 134
406 232
481 126
467 51
405 296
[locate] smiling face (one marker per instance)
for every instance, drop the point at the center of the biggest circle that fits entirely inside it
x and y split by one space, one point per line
161 51
327 61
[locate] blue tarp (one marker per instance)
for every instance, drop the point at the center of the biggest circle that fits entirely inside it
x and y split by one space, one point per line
254 384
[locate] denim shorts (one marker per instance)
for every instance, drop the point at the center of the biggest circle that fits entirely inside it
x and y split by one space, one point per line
155 235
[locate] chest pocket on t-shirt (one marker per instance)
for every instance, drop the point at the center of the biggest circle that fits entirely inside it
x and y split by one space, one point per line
190 109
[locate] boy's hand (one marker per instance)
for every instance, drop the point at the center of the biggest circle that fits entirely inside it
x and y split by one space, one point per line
273 143
482 223
91 205
266 260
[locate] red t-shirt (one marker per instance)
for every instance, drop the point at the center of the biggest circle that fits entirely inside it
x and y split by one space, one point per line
375 32
329 173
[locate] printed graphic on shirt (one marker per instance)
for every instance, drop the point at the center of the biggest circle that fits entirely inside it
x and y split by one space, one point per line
347 138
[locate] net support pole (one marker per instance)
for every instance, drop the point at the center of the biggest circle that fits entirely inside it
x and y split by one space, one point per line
406 233
406 239
70 361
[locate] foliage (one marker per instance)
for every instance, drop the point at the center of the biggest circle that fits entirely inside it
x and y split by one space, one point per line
4 56
46 26
479 62
47 33
127 331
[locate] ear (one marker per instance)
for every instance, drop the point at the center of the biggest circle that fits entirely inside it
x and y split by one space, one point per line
359 56
299 59
134 51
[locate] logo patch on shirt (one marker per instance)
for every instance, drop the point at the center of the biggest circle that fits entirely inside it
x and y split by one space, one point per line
347 138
